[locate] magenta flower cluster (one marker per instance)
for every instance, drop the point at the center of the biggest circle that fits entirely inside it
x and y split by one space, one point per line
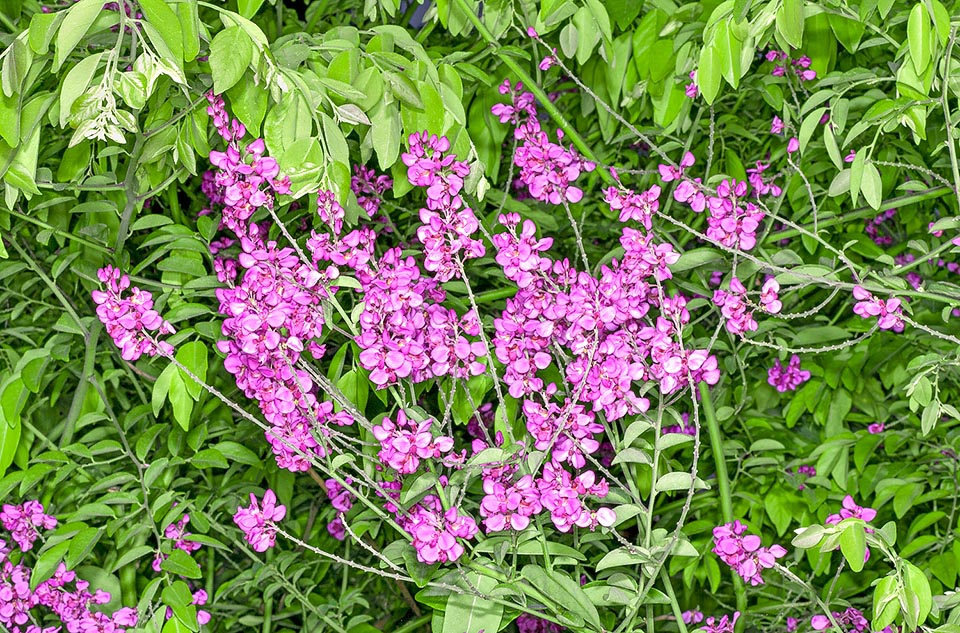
369 188
274 312
800 65
130 319
889 312
527 623
72 605
342 501
743 552
546 168
735 309
24 523
177 532
878 228
850 619
404 442
258 520
850 510
246 179
447 223
405 332
789 377
724 624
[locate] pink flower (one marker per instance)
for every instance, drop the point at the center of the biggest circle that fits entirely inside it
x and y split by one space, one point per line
744 553
776 127
852 510
24 523
405 443
725 624
793 145
547 62
875 428
787 378
691 89
130 320
257 522
888 311
768 296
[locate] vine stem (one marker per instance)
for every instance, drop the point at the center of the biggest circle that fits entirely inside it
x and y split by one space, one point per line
673 599
531 84
723 480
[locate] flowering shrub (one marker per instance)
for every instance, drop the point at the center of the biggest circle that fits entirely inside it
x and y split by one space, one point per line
550 333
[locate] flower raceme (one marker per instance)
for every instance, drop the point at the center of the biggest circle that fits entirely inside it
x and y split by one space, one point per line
129 318
447 223
404 443
77 609
24 523
889 312
257 520
787 378
743 552
547 169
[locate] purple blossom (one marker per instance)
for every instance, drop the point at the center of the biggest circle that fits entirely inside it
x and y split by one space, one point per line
257 521
24 523
744 553
787 378
888 311
129 319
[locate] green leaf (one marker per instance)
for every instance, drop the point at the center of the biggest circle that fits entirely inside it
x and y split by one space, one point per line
696 257
632 456
179 598
853 545
47 563
42 30
162 18
833 149
709 73
9 441
193 356
918 37
249 8
209 458
181 401
79 18
404 89
161 387
418 487
188 15
779 510
809 537
386 134
181 564
564 591
674 481
917 595
730 48
856 175
249 104
886 606
588 34
231 52
130 556
872 186
235 452
81 545
13 395
790 22
621 557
